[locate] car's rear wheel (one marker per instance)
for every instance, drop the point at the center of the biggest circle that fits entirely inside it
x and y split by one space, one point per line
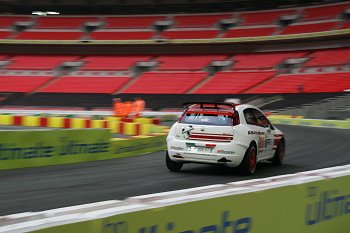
248 164
172 165
279 154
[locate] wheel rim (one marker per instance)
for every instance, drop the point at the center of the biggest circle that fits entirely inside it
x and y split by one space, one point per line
281 151
252 160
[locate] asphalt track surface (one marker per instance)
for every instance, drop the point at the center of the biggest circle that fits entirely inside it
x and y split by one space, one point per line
35 189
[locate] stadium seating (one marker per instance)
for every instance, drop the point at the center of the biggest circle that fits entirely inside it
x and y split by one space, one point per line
4 34
233 82
187 62
8 21
112 62
346 25
250 32
122 35
139 22
329 57
165 83
199 21
263 60
50 35
323 12
63 22
190 34
38 62
97 85
288 83
309 27
264 17
22 84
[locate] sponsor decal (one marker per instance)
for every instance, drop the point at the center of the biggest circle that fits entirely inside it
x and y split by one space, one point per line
176 148
255 133
325 205
186 131
225 224
226 152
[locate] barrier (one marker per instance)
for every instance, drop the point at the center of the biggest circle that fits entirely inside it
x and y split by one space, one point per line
340 124
138 145
306 202
20 149
137 126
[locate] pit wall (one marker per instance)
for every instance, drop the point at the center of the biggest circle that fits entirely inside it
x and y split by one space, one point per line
306 202
35 148
290 120
137 126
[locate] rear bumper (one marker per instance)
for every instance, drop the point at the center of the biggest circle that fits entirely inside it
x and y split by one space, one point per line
230 154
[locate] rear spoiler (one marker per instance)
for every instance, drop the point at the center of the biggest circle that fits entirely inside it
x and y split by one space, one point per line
187 104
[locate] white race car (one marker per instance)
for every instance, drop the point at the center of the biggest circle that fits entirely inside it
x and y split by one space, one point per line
223 133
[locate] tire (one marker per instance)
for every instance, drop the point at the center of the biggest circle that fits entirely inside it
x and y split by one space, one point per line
278 157
172 165
248 165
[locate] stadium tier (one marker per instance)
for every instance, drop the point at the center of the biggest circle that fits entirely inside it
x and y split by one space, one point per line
8 21
187 62
329 57
112 62
190 34
263 60
63 22
309 27
96 85
4 34
251 32
165 83
324 12
24 84
38 62
345 25
122 35
49 35
233 82
290 83
265 17
199 21
139 22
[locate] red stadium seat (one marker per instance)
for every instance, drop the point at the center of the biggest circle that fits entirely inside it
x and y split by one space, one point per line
264 17
250 32
233 82
310 27
97 85
190 34
122 35
24 84
187 62
112 62
38 62
63 22
329 57
263 60
288 83
346 25
199 21
165 83
5 34
323 12
132 21
49 35
8 21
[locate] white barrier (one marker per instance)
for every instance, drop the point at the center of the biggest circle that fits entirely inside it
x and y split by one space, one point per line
103 214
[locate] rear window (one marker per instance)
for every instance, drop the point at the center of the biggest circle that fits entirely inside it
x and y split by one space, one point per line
197 118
